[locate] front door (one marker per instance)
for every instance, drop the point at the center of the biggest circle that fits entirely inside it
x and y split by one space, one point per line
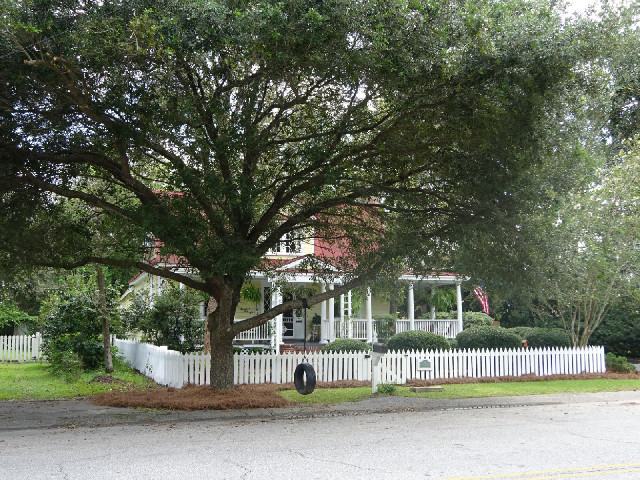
292 322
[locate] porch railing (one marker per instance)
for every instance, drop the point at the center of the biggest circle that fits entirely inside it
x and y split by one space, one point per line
357 328
256 334
448 328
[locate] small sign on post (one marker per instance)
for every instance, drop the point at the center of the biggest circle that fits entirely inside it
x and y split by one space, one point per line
425 365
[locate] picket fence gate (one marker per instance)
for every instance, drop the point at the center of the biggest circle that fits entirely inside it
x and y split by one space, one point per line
20 348
174 369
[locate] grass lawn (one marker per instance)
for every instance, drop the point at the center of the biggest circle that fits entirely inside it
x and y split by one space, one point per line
34 381
471 390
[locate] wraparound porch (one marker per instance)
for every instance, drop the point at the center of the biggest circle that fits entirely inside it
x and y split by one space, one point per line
358 328
338 318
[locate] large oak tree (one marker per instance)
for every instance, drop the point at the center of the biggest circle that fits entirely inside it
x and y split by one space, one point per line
218 127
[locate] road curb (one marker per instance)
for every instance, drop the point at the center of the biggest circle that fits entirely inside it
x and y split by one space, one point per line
81 413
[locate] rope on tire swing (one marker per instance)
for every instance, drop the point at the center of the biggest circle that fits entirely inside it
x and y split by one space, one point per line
305 370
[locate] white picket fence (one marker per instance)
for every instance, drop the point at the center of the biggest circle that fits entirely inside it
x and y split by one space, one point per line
20 348
164 366
279 368
400 367
176 370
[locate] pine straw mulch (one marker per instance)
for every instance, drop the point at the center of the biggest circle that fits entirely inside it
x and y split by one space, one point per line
193 398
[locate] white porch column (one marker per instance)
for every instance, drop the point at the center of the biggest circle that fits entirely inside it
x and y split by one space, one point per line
341 333
433 307
273 322
151 296
332 319
278 301
324 326
349 316
459 304
411 308
369 317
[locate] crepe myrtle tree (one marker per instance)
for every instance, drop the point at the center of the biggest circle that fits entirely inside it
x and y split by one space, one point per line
210 130
597 252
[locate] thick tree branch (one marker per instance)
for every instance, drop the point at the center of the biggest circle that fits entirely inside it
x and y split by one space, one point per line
263 318
145 267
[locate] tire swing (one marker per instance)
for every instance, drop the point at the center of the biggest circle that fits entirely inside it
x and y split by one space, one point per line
302 370
304 377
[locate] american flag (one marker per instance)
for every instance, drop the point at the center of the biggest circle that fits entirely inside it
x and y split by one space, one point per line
482 297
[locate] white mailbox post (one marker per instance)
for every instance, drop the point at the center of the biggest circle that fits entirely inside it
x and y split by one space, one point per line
378 351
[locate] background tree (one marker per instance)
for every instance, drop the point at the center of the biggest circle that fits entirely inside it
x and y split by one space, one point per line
579 259
217 128
71 318
173 319
619 331
597 261
523 258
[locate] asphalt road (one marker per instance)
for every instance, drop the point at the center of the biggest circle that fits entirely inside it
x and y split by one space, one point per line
548 437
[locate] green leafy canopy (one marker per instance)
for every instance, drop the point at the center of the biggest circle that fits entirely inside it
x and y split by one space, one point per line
217 128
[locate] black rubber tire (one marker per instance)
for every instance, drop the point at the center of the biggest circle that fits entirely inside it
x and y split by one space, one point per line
302 370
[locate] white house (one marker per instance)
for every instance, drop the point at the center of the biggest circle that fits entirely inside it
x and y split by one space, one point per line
347 316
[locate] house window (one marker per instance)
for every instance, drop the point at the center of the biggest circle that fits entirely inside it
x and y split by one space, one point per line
287 245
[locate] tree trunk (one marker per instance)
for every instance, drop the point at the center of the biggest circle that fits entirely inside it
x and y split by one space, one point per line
393 305
104 315
210 308
221 361
221 336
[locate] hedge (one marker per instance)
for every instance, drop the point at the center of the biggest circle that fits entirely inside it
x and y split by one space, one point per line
618 364
475 319
543 337
346 345
488 337
439 316
417 340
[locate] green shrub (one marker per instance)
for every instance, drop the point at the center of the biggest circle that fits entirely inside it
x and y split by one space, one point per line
469 319
439 316
543 337
73 326
619 331
385 326
66 364
453 343
618 364
522 332
488 337
346 345
387 388
417 340
173 320
475 319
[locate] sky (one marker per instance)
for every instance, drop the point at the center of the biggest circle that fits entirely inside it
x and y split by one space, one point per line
581 5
